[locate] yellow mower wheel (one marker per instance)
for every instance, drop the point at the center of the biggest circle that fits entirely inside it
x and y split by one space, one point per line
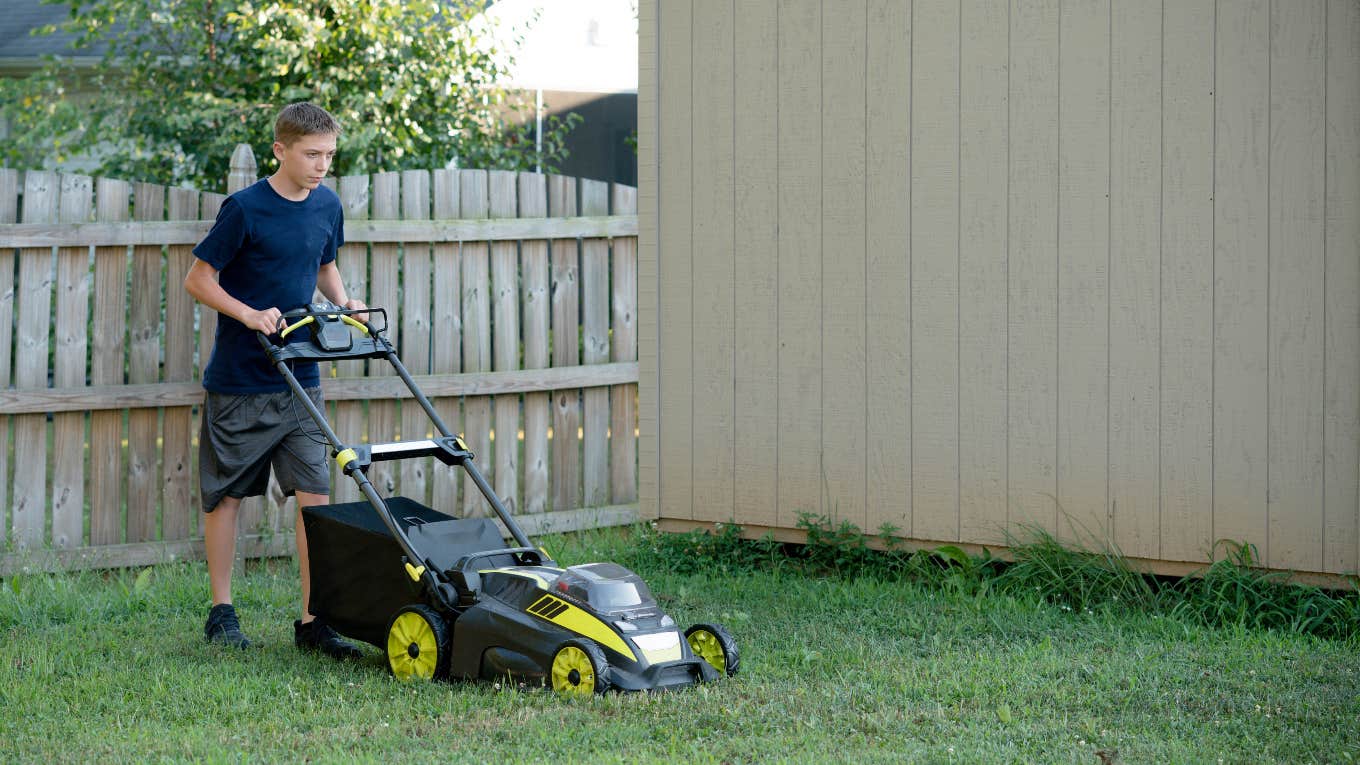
579 668
714 644
417 644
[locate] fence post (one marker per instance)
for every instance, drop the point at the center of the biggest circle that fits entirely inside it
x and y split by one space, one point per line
241 171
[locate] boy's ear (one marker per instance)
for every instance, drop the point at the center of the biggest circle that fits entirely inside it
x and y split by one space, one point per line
278 150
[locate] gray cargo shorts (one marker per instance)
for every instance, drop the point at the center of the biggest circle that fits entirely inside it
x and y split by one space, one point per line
244 435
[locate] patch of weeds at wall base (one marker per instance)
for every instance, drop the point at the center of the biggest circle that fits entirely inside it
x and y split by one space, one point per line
1231 591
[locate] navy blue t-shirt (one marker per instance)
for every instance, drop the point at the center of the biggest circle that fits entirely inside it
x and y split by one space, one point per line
267 250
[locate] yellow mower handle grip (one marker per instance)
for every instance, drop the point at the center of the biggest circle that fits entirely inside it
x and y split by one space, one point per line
304 322
353 322
359 325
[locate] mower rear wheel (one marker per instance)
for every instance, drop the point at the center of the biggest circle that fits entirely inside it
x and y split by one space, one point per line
715 645
418 644
579 668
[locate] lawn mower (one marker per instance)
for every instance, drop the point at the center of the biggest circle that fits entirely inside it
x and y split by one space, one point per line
444 596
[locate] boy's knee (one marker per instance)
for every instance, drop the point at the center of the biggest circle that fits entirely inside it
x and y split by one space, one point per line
227 504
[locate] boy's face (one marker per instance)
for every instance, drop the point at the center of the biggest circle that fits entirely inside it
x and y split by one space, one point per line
303 164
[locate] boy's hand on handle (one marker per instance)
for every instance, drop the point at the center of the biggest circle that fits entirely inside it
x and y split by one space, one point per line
266 320
354 304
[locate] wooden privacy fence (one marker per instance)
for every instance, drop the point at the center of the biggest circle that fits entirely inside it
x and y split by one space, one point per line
511 297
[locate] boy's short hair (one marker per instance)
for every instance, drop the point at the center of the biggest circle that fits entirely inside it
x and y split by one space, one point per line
303 119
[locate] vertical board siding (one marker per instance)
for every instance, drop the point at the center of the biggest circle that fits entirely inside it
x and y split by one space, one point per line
1083 270
755 180
107 346
34 310
177 485
475 203
799 397
676 280
352 262
887 235
935 269
415 329
72 315
384 278
1241 250
623 318
714 308
843 261
144 325
1135 277
1297 269
982 270
648 290
505 341
566 349
1032 291
9 213
1187 278
595 350
534 301
1341 471
1091 266
446 332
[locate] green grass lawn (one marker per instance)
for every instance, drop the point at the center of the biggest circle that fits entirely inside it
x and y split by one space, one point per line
113 668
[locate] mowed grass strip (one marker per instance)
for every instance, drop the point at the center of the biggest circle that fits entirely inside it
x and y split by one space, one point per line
112 667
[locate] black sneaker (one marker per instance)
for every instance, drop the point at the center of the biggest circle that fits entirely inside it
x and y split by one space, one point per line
223 627
316 635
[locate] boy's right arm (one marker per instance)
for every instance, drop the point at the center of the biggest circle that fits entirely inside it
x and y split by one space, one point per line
201 282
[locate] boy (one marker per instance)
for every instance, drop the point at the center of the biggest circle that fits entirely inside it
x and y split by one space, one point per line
272 246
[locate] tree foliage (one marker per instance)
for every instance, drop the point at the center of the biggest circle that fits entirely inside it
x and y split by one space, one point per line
181 82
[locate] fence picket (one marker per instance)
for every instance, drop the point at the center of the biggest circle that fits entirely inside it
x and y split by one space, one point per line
176 463
415 327
386 263
73 311
505 340
623 398
533 203
143 367
446 331
473 203
34 322
108 341
9 213
566 458
352 260
595 349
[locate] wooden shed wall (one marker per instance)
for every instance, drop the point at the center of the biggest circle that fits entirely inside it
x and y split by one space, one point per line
960 265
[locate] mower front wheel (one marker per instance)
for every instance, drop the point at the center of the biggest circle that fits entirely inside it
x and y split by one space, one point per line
418 644
715 645
579 668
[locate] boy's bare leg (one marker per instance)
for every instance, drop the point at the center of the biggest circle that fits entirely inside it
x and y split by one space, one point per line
305 499
219 539
310 633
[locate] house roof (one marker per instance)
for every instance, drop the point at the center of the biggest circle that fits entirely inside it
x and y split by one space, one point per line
17 45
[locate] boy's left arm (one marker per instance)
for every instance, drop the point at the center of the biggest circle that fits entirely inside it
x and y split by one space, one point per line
333 287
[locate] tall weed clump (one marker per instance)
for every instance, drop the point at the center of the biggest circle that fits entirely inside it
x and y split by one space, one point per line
1235 590
1072 576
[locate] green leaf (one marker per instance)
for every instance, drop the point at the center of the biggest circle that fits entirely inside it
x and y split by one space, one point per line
143 580
952 553
1003 713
